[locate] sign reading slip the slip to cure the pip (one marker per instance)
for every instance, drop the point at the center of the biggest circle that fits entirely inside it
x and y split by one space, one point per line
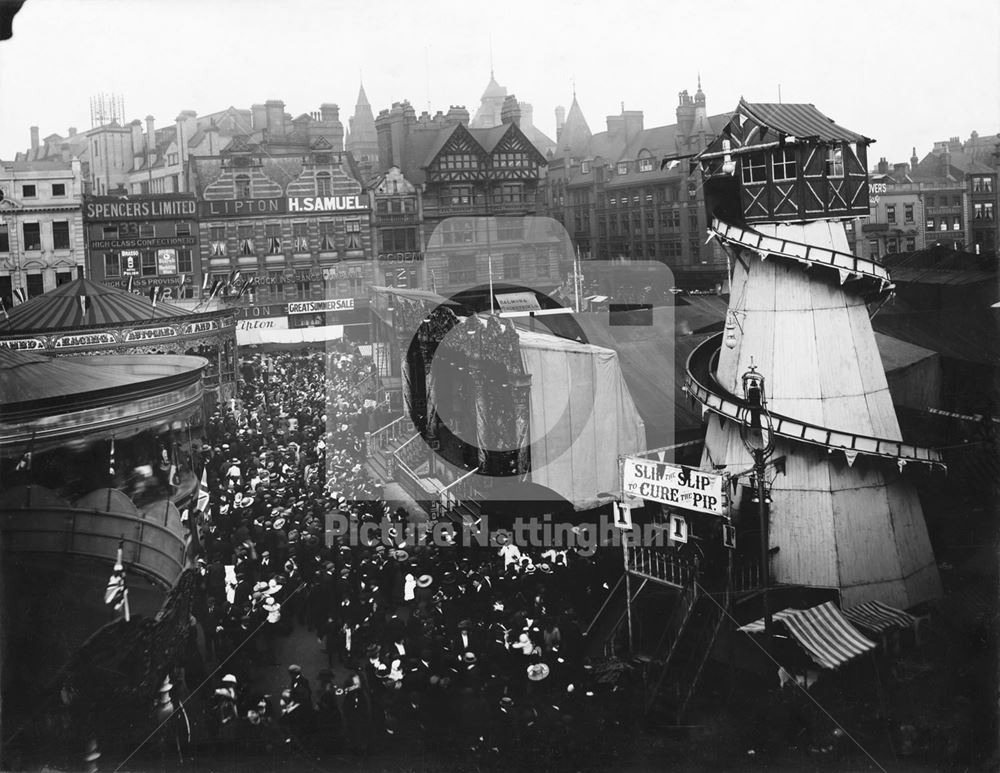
673 484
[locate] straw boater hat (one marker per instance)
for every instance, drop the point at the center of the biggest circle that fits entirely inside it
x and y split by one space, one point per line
424 581
537 672
400 555
279 523
469 657
229 679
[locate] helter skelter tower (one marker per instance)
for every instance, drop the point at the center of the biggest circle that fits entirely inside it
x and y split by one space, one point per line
780 180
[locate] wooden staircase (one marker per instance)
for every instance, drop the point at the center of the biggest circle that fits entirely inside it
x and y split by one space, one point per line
394 454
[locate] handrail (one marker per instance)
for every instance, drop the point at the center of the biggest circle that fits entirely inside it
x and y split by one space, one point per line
682 610
607 601
459 485
698 383
661 565
850 266
703 646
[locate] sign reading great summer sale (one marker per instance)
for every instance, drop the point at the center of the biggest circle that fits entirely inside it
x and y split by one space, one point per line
674 484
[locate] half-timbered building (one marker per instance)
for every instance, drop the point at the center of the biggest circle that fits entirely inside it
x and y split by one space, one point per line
476 186
785 163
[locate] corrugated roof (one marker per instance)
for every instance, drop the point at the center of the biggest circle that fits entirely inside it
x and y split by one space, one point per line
60 308
826 636
800 120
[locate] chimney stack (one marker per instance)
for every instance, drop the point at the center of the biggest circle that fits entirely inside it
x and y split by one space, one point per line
510 112
259 117
34 138
883 166
560 118
150 133
275 117
72 131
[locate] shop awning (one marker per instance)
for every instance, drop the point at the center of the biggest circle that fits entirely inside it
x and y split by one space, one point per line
299 335
874 617
826 636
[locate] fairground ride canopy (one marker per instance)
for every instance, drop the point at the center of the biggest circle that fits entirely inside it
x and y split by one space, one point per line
83 317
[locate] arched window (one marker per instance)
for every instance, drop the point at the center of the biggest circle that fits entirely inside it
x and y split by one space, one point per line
323 184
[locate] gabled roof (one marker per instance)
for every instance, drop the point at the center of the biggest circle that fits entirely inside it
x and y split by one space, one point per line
799 120
488 138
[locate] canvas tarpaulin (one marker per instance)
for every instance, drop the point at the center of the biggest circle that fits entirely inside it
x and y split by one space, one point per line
582 417
294 336
823 632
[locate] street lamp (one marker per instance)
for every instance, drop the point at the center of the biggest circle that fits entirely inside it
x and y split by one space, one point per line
758 438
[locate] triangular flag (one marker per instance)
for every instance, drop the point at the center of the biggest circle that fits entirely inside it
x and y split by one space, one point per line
901 464
130 283
111 459
205 281
84 304
20 295
662 456
203 498
844 275
25 463
851 456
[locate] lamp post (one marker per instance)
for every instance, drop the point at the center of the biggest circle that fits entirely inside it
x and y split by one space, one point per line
759 441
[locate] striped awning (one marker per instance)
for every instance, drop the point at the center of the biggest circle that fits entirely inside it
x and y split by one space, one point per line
61 308
823 632
874 617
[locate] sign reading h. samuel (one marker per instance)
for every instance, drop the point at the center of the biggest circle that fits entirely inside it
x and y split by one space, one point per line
673 484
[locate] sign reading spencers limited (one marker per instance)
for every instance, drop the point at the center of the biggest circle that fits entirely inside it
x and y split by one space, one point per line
674 484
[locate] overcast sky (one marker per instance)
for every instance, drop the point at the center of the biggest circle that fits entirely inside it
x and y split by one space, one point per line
906 73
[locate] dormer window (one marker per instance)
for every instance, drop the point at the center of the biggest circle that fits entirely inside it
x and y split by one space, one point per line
784 165
645 165
242 185
623 167
585 167
323 184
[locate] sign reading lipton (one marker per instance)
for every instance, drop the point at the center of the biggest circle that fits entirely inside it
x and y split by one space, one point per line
327 204
673 484
241 207
312 307
149 209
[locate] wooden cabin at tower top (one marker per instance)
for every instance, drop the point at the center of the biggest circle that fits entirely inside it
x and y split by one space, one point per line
785 163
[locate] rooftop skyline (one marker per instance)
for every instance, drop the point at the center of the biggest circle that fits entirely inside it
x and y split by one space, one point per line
870 71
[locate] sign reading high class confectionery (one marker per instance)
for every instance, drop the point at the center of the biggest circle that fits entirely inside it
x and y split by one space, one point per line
327 204
674 484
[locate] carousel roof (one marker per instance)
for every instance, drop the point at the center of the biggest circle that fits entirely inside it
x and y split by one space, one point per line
61 308
32 378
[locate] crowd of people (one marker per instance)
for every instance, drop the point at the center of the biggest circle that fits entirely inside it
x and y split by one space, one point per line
472 649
